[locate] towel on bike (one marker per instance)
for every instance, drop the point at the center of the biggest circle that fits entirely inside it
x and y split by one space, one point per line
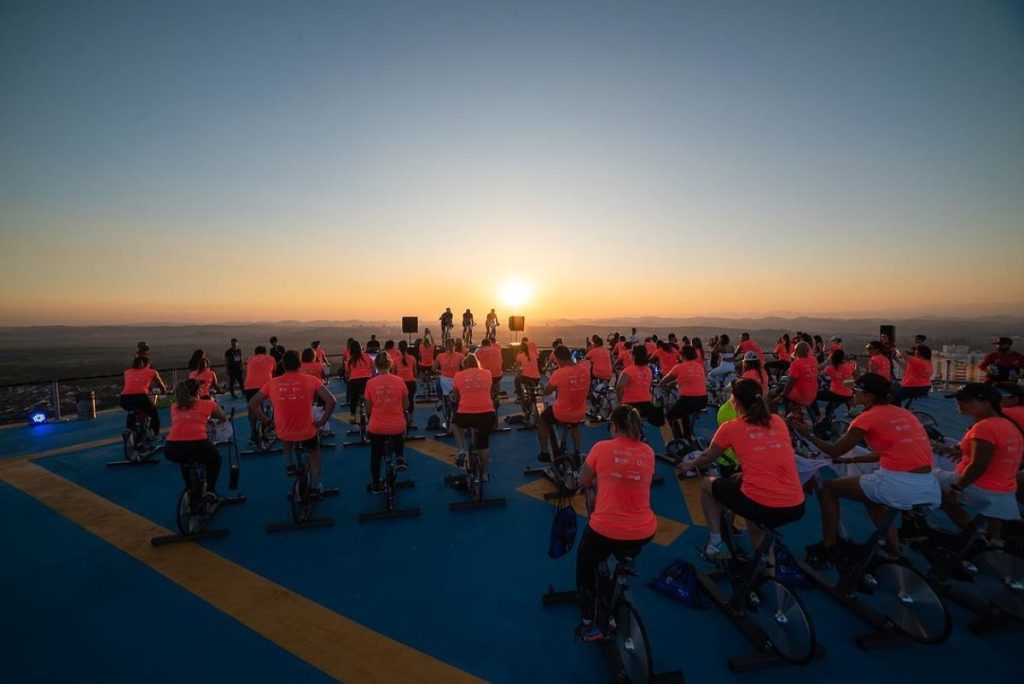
806 468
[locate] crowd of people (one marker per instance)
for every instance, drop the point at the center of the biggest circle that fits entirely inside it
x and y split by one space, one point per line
795 388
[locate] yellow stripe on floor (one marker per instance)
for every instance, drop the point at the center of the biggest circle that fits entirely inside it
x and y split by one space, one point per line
62 450
336 645
668 529
445 453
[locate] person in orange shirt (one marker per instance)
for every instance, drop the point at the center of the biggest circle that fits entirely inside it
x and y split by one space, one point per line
135 394
698 347
405 368
780 365
600 360
571 382
835 342
748 345
358 371
667 356
838 370
622 521
801 390
769 494
634 385
474 410
447 364
321 358
259 369
878 360
489 356
206 377
752 371
693 392
292 394
917 374
651 346
529 373
388 402
985 479
310 366
188 441
1012 406
899 445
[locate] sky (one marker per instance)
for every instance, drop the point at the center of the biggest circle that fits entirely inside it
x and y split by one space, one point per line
197 162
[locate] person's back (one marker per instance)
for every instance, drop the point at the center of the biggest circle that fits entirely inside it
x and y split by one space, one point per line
291 395
803 371
1005 437
601 362
572 382
258 372
473 386
387 394
897 436
765 454
490 358
624 469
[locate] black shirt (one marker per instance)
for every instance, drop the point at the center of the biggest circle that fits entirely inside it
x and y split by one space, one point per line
233 358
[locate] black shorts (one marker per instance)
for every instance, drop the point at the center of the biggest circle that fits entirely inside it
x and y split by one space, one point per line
306 444
483 423
642 407
727 492
250 393
549 415
187 451
684 406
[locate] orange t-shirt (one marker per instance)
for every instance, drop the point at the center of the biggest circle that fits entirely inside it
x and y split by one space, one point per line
320 355
782 353
624 470
405 370
137 380
490 358
259 370
898 437
386 396
689 376
667 359
426 354
449 363
839 375
394 355
1016 414
651 347
573 385
626 358
529 366
190 425
314 368
205 378
601 362
766 457
362 368
918 372
474 388
750 345
292 396
805 372
757 375
1001 474
638 389
883 366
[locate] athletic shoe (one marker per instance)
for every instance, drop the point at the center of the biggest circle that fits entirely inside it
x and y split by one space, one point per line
290 470
376 488
590 632
717 552
819 556
460 459
400 464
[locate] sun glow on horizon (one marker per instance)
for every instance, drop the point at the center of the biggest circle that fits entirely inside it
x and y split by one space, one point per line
515 293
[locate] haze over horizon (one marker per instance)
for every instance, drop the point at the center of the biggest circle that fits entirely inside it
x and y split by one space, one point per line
247 160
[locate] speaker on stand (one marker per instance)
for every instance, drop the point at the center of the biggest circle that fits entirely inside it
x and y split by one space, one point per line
410 325
516 324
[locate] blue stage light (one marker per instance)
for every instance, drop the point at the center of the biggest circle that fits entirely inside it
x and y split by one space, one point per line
37 417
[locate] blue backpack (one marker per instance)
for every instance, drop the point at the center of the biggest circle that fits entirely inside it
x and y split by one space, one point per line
679 581
563 528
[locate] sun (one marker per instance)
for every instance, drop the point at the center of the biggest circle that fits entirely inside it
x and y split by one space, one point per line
515 293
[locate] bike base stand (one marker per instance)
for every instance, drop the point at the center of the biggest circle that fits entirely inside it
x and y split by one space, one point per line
755 661
198 536
148 460
481 503
312 522
356 443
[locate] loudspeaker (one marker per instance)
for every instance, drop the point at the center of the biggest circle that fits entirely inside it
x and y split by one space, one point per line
889 330
517 323
410 324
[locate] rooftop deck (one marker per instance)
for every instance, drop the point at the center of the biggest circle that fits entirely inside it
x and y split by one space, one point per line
448 596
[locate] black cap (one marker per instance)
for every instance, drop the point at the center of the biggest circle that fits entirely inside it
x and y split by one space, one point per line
873 384
1012 390
143 346
1003 340
977 390
234 339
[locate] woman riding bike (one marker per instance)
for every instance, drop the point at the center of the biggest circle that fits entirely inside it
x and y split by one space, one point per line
838 370
404 366
634 386
188 442
990 457
207 378
529 373
467 327
622 520
388 402
768 492
693 392
902 449
917 374
724 351
135 396
358 371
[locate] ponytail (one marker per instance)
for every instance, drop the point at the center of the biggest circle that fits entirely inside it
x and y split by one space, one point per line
748 395
627 421
999 412
185 393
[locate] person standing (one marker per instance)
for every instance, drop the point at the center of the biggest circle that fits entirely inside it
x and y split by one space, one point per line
233 361
277 353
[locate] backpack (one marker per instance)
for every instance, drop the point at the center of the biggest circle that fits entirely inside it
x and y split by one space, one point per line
433 423
563 528
679 581
787 571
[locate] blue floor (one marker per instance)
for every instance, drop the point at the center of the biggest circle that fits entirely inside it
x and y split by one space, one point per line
463 587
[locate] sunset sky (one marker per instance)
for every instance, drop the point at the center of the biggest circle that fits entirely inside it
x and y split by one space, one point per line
212 161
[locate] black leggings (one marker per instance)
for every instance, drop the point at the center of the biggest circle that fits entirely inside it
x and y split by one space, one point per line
355 390
377 453
593 549
682 410
832 402
141 402
201 451
235 375
905 394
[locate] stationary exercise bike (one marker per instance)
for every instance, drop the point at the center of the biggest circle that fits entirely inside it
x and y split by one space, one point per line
471 482
139 441
304 497
390 484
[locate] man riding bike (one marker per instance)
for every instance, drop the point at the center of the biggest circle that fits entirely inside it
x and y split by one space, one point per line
492 326
467 327
446 325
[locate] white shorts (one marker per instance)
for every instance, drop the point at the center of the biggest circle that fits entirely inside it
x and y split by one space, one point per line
901 490
998 505
446 384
